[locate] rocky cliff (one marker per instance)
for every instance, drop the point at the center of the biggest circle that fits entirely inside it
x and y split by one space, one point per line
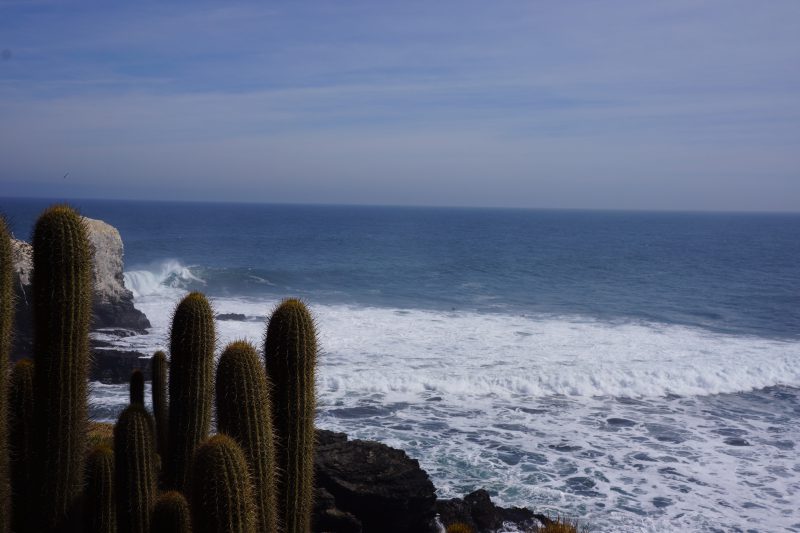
112 303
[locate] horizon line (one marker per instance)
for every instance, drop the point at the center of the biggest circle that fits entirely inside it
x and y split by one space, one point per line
412 206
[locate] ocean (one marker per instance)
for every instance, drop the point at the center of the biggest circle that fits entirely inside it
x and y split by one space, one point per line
639 371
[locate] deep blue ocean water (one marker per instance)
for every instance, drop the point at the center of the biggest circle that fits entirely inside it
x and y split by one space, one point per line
736 273
637 370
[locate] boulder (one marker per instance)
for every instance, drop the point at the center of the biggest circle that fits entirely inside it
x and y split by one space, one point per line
373 485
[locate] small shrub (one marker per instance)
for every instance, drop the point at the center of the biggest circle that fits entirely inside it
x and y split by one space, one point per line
563 525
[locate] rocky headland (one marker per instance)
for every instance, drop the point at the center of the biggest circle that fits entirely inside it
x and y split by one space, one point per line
113 311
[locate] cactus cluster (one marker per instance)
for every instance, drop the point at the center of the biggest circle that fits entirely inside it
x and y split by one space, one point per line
134 462
255 474
62 284
100 513
243 412
159 391
6 318
221 496
171 514
20 403
191 378
290 349
137 387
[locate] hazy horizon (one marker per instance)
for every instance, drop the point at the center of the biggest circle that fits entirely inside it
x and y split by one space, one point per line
678 107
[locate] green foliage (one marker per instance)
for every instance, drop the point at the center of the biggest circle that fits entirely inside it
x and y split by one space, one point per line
563 525
137 387
100 434
159 392
20 420
100 515
243 412
190 384
290 351
221 497
135 472
62 285
171 514
6 320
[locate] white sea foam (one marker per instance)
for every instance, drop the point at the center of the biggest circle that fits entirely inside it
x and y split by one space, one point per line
399 352
169 274
632 426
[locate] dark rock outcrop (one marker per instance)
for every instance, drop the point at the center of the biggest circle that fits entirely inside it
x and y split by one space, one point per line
477 511
231 316
368 487
377 486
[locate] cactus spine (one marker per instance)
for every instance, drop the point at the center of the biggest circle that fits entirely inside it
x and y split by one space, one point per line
171 514
134 463
221 497
6 318
159 393
100 515
137 387
244 413
290 350
20 404
62 284
190 384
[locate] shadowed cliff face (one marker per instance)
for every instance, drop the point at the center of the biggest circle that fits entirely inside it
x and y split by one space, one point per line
112 303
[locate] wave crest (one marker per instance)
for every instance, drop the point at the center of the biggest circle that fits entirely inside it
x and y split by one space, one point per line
170 274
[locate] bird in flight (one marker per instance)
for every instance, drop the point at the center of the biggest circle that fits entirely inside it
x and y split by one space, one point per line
65 176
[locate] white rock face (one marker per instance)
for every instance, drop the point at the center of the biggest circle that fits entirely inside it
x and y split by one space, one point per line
22 252
107 253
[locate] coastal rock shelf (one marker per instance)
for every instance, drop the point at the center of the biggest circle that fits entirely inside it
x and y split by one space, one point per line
113 311
368 487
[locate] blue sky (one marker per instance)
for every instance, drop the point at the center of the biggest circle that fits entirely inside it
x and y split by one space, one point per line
580 104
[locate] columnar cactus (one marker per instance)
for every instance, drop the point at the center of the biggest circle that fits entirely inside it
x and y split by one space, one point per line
6 318
135 472
243 413
20 420
290 351
171 514
62 285
100 515
221 497
137 387
190 384
159 393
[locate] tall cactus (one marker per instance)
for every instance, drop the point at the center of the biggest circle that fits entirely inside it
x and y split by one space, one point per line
137 387
6 319
290 350
20 420
171 514
135 472
190 384
159 393
221 497
100 515
244 413
62 285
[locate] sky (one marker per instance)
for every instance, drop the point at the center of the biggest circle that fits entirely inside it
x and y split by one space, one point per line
679 105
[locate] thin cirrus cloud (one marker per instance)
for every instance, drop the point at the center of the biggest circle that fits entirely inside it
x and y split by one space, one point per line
518 104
